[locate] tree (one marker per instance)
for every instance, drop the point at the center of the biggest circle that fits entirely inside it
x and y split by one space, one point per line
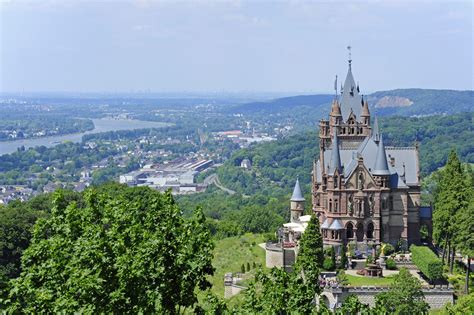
465 229
353 306
450 200
344 260
404 296
311 254
128 250
248 267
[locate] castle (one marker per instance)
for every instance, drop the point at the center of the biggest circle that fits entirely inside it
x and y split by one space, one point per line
363 192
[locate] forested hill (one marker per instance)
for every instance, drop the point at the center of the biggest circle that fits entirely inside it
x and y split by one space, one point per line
404 102
276 164
284 103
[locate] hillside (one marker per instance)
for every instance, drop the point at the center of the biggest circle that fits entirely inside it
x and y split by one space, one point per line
404 102
278 163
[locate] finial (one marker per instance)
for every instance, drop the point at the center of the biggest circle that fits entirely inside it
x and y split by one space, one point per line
350 56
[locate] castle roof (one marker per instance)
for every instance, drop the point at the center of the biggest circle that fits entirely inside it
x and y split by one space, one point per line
381 165
368 151
335 162
350 98
297 194
336 225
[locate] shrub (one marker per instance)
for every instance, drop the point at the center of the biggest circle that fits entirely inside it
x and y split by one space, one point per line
389 249
428 263
328 264
391 265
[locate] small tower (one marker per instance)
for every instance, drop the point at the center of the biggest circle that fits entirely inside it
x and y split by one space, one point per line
381 171
297 203
335 117
365 114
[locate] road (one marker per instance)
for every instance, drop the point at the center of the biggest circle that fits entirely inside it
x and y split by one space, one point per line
214 179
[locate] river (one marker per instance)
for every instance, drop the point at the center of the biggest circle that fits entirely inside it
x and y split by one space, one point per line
100 125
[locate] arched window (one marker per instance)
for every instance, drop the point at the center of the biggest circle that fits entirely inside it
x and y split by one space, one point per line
336 181
349 231
336 206
330 205
370 230
360 232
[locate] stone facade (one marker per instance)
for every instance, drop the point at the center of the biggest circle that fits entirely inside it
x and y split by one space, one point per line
437 298
363 191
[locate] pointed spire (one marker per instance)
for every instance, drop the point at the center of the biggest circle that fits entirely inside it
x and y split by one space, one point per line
381 165
365 108
376 131
335 162
297 194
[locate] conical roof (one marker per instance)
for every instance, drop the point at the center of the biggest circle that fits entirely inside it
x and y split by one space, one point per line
376 130
335 162
381 165
297 194
365 108
350 99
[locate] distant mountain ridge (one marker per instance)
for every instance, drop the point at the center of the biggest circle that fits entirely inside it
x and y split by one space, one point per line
404 102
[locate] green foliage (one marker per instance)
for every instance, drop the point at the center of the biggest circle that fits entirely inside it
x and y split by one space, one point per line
391 265
248 267
279 292
464 305
427 261
389 249
342 278
311 254
404 297
353 306
242 268
328 264
343 261
126 250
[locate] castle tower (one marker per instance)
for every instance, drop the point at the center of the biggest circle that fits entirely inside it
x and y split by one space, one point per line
362 191
297 203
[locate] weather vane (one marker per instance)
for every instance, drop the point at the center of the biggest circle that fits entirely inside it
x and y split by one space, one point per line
349 49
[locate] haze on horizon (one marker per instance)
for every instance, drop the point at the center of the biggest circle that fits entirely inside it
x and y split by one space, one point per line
204 46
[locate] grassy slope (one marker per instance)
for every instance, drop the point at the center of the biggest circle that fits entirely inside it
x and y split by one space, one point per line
229 255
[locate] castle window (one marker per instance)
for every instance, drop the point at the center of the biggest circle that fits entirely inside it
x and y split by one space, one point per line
330 205
391 202
336 206
336 179
370 230
349 231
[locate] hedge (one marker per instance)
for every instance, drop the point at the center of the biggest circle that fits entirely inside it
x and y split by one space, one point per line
427 261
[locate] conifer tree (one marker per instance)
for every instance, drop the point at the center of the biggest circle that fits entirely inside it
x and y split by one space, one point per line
450 199
311 254
465 229
343 262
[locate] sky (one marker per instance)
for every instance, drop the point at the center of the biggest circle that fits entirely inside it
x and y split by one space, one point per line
233 46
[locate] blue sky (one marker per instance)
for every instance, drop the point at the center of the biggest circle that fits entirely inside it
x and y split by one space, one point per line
204 46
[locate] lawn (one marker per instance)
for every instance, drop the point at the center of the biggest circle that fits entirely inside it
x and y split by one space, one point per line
229 255
358 281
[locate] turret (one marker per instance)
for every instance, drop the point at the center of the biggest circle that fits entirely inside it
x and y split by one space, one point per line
365 114
297 203
335 162
381 165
